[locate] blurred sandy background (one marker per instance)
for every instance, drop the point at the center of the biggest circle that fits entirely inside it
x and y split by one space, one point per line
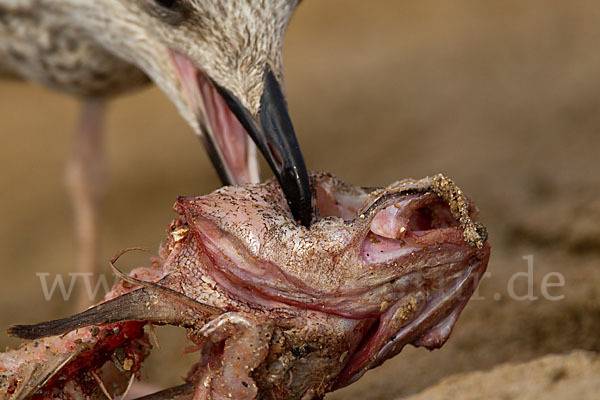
503 96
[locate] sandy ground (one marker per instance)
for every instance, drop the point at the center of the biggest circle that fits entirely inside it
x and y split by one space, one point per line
502 96
552 377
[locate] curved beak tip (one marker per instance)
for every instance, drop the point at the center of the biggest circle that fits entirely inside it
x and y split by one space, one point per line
278 143
273 133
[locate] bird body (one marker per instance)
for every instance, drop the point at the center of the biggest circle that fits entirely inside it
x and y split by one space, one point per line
39 44
94 47
220 63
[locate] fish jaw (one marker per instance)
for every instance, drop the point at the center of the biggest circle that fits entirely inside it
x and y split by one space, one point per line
420 318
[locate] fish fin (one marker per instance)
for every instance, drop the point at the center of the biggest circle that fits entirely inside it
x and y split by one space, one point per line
152 302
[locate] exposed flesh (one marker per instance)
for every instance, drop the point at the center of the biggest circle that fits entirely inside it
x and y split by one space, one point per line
281 311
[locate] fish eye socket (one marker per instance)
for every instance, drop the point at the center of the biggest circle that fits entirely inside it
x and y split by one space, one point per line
172 12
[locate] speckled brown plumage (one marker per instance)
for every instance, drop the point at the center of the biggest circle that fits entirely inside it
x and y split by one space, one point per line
98 49
39 47
105 47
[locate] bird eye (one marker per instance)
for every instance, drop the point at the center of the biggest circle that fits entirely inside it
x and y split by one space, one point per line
172 12
170 4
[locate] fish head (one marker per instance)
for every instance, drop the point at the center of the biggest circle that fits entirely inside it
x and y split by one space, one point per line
280 310
402 260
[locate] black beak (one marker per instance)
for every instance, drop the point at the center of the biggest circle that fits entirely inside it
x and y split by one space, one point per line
273 133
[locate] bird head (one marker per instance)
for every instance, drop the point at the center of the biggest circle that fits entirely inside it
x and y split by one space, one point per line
220 62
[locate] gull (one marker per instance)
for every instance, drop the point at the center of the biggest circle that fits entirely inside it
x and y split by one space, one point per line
220 63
